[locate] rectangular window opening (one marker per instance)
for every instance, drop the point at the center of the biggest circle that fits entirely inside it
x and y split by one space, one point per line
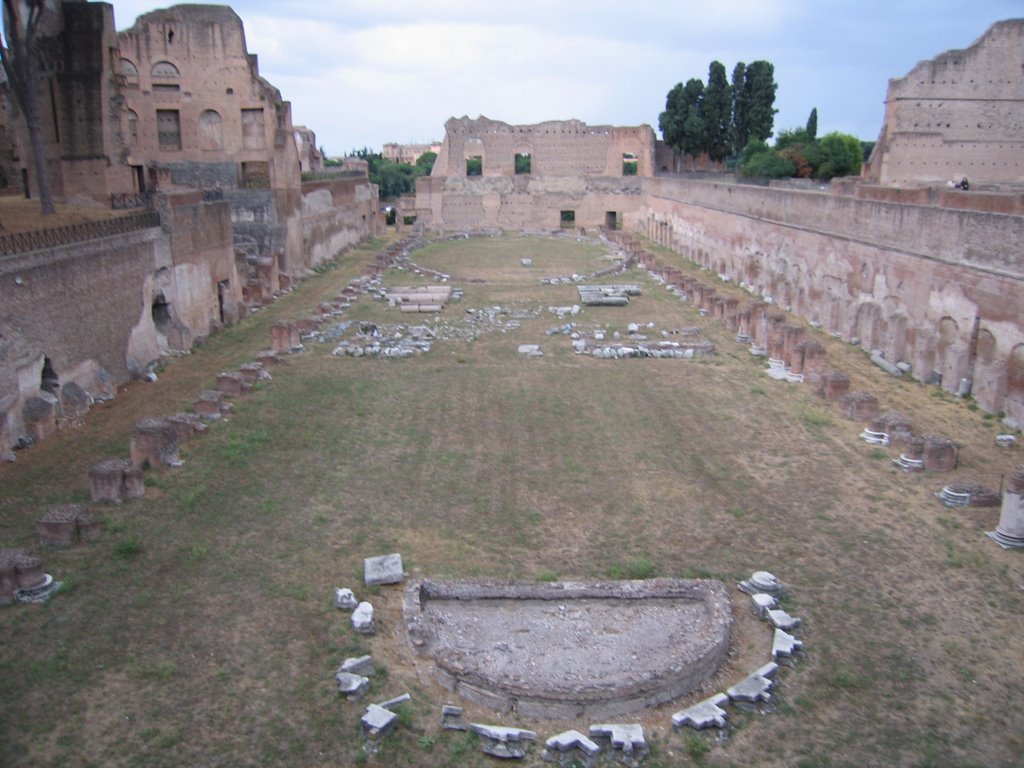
630 164
567 219
475 165
168 129
613 219
523 164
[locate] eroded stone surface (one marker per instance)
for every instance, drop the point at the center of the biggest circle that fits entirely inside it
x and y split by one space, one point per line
384 569
572 649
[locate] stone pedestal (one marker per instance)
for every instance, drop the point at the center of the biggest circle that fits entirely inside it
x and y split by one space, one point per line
1009 534
58 527
88 527
106 480
208 404
859 406
284 337
835 385
939 453
154 443
187 425
28 571
231 384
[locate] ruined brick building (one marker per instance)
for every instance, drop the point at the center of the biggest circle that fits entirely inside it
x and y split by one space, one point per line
171 115
896 260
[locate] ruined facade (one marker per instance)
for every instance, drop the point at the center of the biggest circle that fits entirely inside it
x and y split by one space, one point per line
172 115
930 276
492 174
958 115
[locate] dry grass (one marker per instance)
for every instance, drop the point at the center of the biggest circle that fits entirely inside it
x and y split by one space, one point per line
20 215
214 643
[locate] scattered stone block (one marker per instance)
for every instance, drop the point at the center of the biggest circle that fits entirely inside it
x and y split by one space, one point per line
267 358
392 703
762 582
451 718
32 584
351 685
75 402
358 665
154 443
58 527
625 738
378 722
763 603
782 620
834 385
362 619
384 569
703 714
784 645
530 350
571 748
756 686
345 600
39 415
501 741
858 406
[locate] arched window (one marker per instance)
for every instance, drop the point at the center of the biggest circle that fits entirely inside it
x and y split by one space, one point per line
165 69
129 70
211 134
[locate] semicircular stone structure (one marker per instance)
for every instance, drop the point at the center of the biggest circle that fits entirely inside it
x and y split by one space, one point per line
564 650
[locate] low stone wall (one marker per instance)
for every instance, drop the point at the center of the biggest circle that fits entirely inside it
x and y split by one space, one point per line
938 288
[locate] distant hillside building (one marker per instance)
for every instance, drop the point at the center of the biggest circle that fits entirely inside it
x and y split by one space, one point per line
408 153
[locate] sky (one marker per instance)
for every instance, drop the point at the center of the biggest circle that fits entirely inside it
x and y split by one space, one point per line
362 73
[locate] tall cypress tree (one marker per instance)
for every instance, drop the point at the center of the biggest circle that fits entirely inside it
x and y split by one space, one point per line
760 86
671 120
740 133
695 133
812 124
717 112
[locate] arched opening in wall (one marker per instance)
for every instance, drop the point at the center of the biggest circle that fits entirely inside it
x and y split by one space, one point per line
867 324
211 136
130 73
567 219
49 381
1015 379
986 347
949 332
161 312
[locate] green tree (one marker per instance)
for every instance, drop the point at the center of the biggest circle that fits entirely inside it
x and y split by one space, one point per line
694 136
22 62
717 105
812 124
740 134
841 155
760 86
425 163
670 122
767 165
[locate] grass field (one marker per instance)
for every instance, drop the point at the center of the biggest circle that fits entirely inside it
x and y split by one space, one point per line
199 630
